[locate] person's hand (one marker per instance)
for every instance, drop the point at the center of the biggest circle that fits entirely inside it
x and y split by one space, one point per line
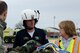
5 48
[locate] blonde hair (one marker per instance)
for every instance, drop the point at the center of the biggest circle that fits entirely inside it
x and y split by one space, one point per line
69 27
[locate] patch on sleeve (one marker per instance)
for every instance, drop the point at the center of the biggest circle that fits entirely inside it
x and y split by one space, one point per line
46 37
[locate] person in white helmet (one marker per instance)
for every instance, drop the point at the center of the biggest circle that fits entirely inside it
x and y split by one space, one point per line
30 18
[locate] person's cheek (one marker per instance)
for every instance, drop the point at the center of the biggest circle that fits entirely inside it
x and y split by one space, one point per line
61 33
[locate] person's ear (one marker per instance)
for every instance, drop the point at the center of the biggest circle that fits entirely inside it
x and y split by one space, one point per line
5 13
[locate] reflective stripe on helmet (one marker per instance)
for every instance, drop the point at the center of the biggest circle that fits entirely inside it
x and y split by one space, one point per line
28 14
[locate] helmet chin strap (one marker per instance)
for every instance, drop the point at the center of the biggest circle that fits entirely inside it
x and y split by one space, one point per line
29 28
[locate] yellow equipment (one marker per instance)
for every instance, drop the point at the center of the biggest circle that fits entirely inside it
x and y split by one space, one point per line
9 35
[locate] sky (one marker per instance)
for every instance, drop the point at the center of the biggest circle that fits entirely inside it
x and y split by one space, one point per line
60 9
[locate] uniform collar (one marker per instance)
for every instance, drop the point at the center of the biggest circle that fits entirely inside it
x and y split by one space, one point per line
67 39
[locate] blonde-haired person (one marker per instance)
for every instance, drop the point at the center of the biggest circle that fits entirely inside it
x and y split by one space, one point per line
68 39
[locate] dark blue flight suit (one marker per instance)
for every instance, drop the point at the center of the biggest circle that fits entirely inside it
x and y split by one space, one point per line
22 37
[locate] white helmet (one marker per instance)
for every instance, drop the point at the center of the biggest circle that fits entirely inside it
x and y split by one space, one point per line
29 14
